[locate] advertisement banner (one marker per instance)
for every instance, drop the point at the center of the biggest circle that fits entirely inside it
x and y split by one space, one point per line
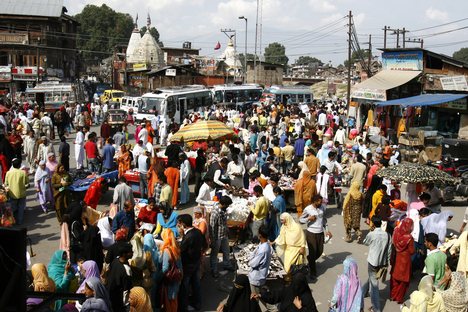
5 73
454 83
369 94
406 60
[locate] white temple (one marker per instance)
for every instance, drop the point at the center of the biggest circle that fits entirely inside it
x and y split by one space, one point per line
230 58
144 50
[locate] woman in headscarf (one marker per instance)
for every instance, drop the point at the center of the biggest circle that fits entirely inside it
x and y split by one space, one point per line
139 300
295 297
167 219
170 255
239 299
60 182
304 190
105 231
322 154
60 272
400 273
92 245
148 213
367 208
149 246
124 160
51 163
302 166
347 294
76 227
352 209
461 245
291 242
426 298
88 270
43 186
437 223
455 297
97 298
41 282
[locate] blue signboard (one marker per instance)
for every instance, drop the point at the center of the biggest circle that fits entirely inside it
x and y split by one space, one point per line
404 60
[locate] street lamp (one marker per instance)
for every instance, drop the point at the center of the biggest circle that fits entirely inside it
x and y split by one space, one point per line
245 51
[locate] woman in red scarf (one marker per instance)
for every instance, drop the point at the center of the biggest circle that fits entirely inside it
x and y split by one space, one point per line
403 244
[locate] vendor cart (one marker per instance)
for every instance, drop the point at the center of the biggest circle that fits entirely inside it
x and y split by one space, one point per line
81 185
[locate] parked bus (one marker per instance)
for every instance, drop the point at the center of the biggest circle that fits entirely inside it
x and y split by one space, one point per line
288 95
52 94
174 102
239 96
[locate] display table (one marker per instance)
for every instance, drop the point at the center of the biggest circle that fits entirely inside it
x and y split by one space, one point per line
276 270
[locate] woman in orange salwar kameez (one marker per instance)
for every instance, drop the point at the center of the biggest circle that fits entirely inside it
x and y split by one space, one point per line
173 175
124 160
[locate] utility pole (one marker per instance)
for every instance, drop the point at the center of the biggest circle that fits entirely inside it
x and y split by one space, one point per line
369 58
37 58
385 37
256 39
245 50
350 25
404 32
419 40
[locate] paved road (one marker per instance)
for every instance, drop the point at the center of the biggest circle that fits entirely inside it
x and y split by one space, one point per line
44 231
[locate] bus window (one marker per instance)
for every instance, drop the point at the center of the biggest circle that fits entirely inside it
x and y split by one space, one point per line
300 98
218 97
197 102
307 98
190 104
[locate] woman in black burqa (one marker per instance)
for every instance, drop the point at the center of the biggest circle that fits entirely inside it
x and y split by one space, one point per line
240 298
297 296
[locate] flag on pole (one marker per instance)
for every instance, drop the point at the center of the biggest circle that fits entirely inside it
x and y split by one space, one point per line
218 46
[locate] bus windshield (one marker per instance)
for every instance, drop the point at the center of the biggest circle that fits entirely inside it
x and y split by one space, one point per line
236 96
150 105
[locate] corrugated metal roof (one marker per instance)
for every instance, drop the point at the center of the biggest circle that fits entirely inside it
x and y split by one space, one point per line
49 8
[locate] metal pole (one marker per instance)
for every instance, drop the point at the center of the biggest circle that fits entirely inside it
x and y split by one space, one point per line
385 37
369 58
404 37
256 39
37 58
245 53
350 21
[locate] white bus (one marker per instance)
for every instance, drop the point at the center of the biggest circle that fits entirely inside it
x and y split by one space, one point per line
52 94
288 95
239 96
174 102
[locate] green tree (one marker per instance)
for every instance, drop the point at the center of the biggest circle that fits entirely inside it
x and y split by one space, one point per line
250 57
461 55
358 55
154 32
101 29
275 53
308 60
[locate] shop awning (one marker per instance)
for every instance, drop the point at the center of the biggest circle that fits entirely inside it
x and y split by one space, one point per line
375 88
424 100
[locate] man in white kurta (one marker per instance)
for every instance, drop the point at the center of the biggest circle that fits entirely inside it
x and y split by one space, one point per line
79 150
30 151
44 149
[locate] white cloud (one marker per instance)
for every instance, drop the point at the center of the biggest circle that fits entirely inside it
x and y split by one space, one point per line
435 14
322 6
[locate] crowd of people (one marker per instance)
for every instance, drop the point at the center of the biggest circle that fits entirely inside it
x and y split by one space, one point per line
150 257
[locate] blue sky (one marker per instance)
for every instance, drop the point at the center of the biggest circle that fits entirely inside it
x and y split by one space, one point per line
306 27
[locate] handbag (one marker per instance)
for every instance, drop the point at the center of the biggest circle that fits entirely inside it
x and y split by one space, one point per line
381 273
174 274
300 268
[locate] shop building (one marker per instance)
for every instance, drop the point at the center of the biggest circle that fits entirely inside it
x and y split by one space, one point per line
37 42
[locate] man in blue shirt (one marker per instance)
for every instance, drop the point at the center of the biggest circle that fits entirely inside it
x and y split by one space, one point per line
260 263
299 147
125 218
108 153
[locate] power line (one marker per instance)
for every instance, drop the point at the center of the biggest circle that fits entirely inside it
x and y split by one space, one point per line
445 24
443 32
